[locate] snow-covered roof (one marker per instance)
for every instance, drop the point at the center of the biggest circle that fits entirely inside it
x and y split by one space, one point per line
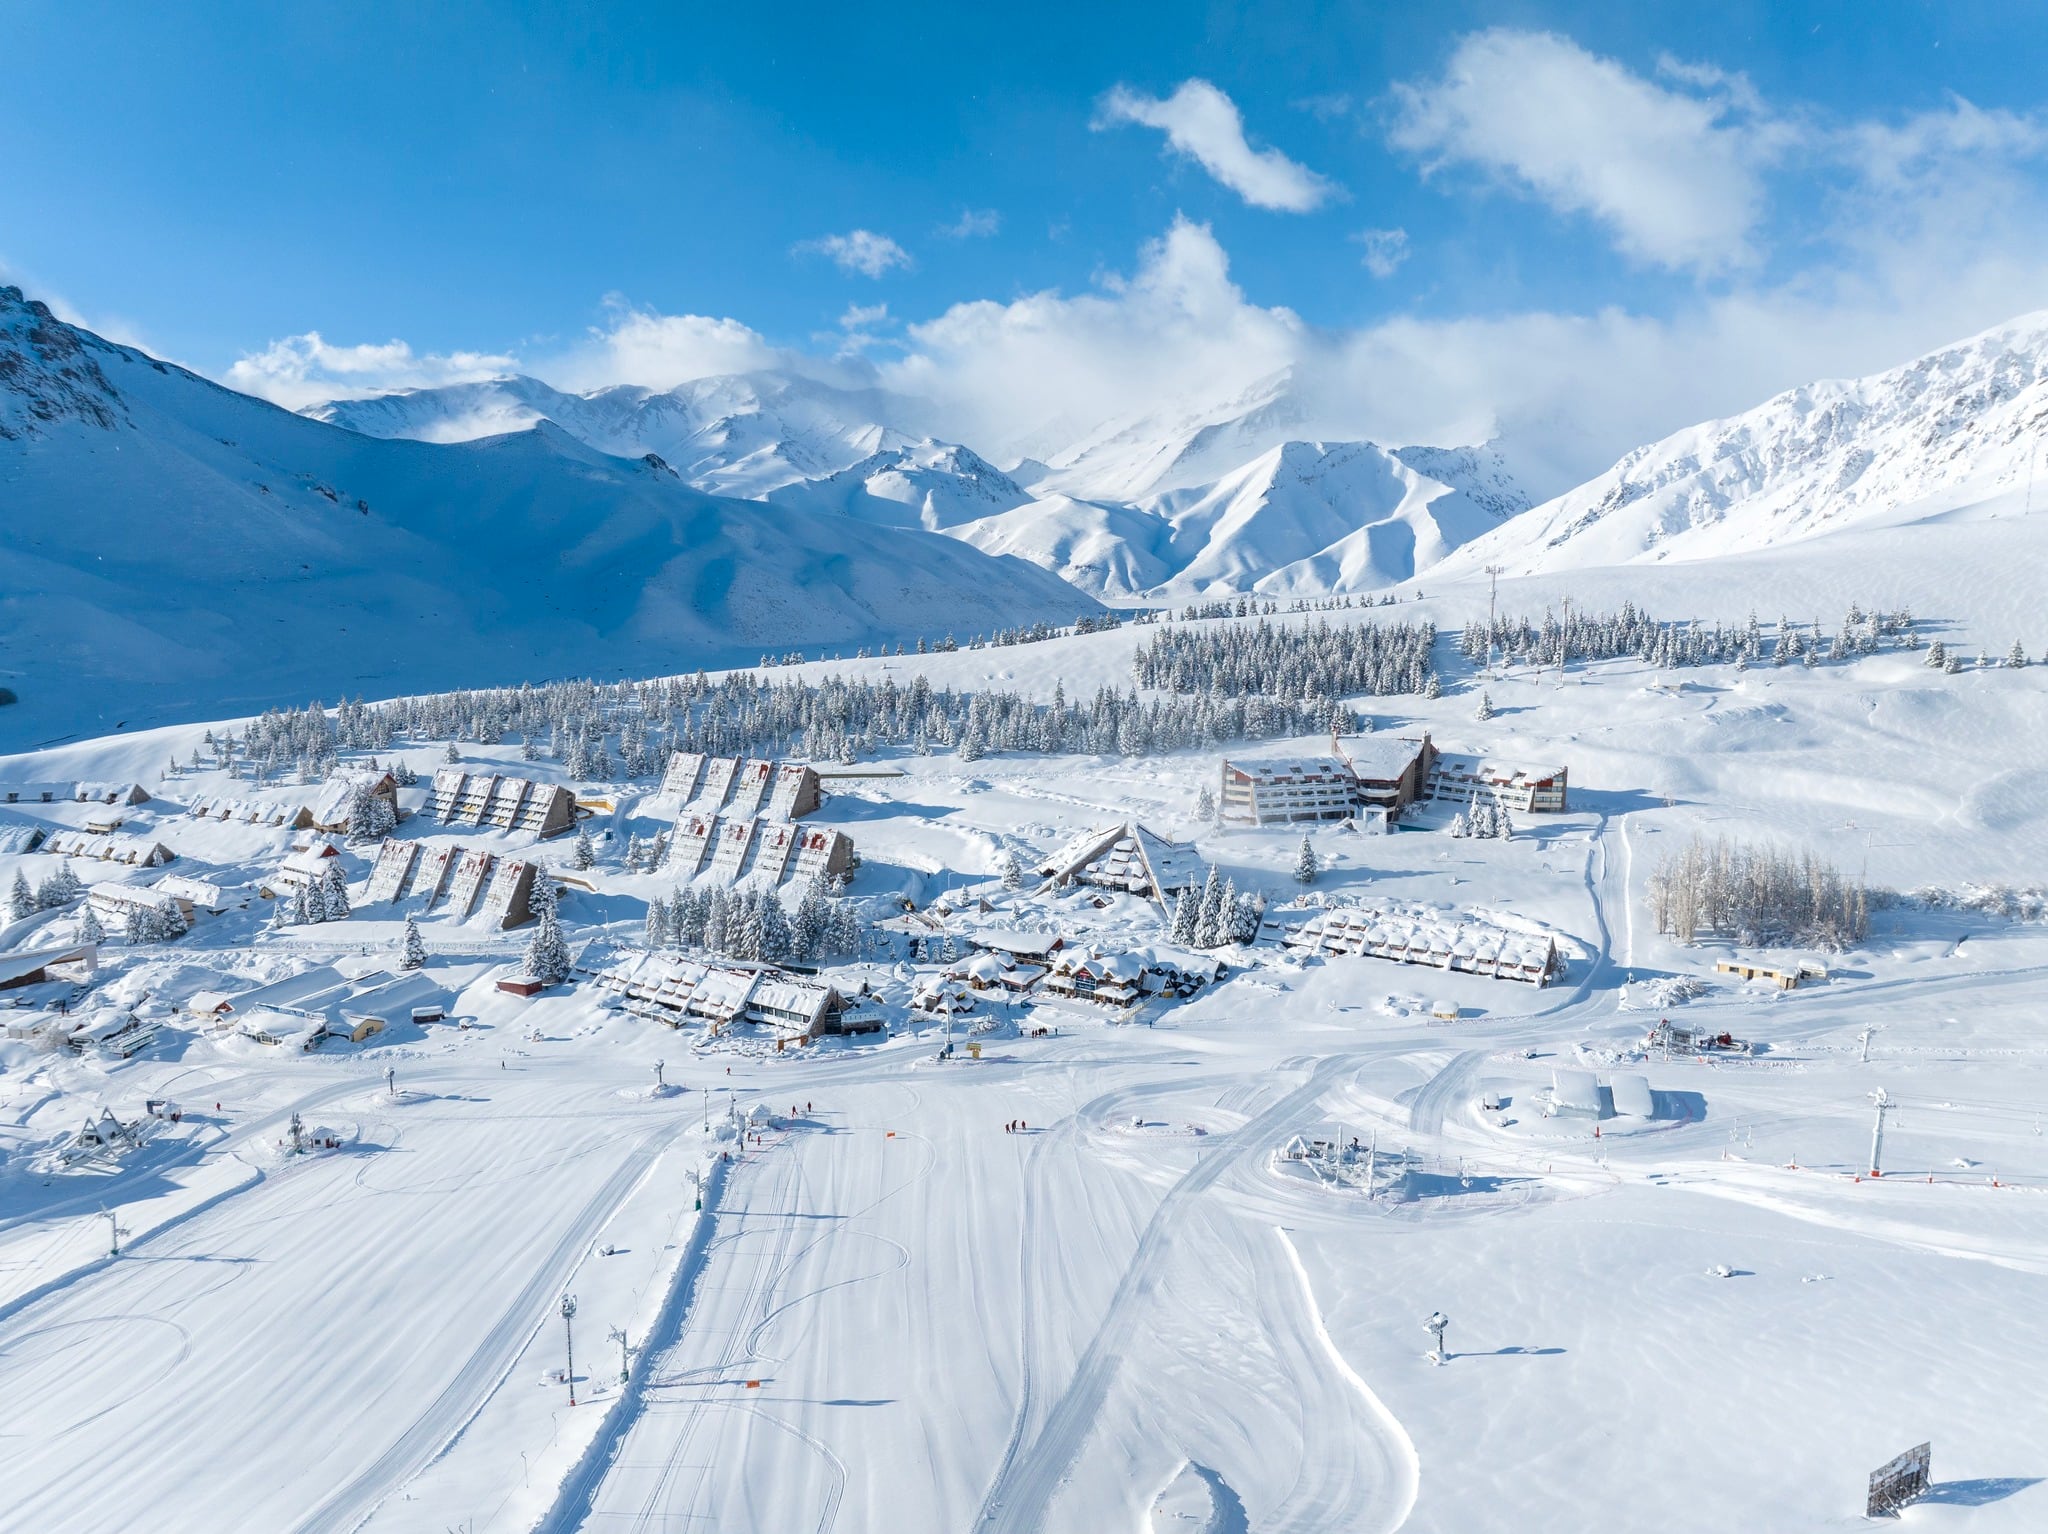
1489 769
1292 769
16 966
1575 1090
201 892
1127 856
1379 758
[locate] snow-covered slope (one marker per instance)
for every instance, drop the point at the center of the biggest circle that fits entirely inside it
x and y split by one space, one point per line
743 434
1934 438
1302 517
170 546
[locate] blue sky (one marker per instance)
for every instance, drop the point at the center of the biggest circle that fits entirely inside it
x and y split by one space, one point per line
1459 218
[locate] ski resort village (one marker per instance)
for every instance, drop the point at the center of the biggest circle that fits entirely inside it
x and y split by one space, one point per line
1122 909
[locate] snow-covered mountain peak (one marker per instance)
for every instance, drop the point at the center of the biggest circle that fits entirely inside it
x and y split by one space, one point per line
48 371
1956 428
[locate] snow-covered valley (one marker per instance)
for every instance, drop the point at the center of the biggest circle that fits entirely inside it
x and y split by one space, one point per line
948 1105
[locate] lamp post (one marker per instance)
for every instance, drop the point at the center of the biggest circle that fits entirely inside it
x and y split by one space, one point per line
569 1341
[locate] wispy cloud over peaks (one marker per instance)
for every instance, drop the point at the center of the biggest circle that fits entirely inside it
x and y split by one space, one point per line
858 250
1199 121
306 369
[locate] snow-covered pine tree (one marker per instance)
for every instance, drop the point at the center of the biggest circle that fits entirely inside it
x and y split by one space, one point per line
1209 914
1205 806
21 900
412 949
1503 828
1460 826
1937 655
528 751
1433 688
1185 914
743 928
310 903
1225 930
774 928
170 921
659 923
451 756
585 853
1306 865
1248 912
335 888
717 920
1010 871
89 928
2016 656
1485 710
547 952
690 910
636 855
141 926
807 926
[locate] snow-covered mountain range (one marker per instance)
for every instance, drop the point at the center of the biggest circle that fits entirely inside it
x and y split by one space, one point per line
1220 496
1952 435
173 548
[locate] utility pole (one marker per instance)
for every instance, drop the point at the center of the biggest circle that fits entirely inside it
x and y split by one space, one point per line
1564 642
619 1336
391 1080
1372 1156
1877 1133
1864 1039
1492 593
658 1082
115 1231
569 1341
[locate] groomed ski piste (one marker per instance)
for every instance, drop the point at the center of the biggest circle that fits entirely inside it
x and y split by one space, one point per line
1137 1310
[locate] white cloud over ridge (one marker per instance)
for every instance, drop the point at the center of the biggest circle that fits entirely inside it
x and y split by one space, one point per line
1204 124
858 250
1911 232
306 370
1673 174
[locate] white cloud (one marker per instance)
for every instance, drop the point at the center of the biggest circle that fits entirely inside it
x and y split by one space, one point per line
858 250
1385 250
306 369
999 372
659 351
1204 124
1673 174
973 224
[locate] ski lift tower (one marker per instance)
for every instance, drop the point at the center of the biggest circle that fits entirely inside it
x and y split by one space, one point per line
1877 1132
1437 1324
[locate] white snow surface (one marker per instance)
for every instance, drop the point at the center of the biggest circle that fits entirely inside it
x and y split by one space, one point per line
894 1312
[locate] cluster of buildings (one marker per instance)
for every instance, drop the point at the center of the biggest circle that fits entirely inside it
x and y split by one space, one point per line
1373 778
1461 944
70 792
459 883
128 849
318 1006
490 800
677 991
736 819
1002 964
